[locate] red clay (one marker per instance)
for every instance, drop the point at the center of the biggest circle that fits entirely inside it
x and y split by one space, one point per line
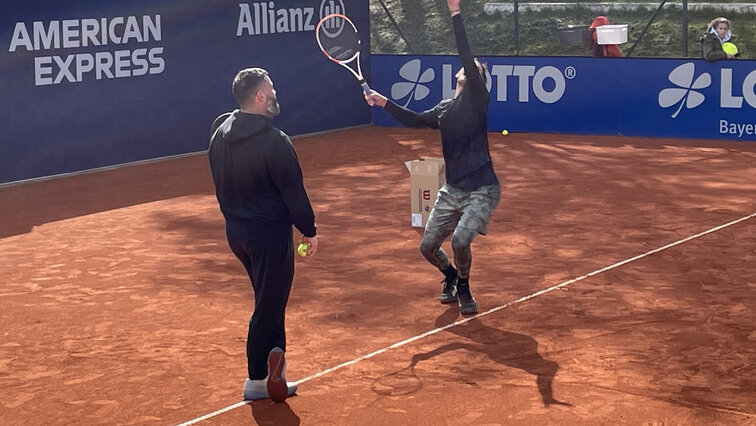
122 304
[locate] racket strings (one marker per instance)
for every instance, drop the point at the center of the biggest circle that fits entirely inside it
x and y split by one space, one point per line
343 45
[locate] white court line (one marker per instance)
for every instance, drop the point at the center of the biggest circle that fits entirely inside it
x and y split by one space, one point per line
488 312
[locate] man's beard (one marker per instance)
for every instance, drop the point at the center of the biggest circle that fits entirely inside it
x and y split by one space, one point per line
272 106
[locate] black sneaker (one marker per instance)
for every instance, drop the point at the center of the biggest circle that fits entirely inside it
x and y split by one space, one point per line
449 293
467 304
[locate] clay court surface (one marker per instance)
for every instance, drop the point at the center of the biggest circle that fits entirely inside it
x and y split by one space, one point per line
122 304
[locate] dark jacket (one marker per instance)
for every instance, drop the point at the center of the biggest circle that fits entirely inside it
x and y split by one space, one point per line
258 181
463 122
711 47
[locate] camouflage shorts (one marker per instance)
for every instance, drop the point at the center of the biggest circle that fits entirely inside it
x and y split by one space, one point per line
471 210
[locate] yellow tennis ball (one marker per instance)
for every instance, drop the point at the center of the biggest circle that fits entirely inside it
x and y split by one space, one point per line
730 48
504 132
302 249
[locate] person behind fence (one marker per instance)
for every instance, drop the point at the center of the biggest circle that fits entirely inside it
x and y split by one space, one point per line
465 203
713 41
601 50
260 190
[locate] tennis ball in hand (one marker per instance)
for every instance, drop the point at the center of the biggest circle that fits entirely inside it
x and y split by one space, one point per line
302 249
730 48
505 132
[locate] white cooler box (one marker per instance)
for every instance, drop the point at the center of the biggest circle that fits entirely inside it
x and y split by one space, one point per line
611 34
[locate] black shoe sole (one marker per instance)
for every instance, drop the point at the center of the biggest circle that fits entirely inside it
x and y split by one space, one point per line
468 308
447 301
468 312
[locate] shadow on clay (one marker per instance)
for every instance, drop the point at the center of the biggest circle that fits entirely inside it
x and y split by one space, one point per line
504 347
267 412
510 349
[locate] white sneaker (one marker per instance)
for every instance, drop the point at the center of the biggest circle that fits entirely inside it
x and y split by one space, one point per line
258 389
255 389
275 384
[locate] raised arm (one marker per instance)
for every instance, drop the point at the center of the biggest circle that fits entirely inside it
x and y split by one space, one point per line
463 46
453 7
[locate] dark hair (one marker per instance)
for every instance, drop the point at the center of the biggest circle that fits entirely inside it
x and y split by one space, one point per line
246 83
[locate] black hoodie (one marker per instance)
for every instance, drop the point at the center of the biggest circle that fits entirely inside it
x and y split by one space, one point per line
257 176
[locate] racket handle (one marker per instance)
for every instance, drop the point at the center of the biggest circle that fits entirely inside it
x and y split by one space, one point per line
365 87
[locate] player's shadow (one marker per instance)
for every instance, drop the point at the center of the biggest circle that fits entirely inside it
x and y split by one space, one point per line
266 412
511 349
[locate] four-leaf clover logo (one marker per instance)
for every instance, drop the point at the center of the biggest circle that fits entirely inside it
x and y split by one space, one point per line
684 93
412 87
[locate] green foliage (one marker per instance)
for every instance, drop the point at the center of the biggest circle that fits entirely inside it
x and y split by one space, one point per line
426 26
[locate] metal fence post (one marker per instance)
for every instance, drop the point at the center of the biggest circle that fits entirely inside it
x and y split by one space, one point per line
517 26
685 29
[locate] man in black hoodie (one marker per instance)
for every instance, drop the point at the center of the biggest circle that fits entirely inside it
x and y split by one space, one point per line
465 204
259 186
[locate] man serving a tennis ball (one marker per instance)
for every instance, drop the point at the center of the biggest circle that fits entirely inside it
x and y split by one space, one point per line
465 203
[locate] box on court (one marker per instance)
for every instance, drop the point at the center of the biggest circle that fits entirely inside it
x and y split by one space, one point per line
611 34
427 176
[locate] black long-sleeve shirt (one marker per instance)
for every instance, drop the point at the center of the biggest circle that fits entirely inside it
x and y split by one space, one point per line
258 181
463 122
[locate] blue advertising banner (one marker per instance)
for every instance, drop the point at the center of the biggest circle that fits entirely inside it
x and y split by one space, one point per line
88 84
619 96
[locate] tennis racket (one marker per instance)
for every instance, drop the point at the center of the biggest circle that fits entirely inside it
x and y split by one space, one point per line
338 39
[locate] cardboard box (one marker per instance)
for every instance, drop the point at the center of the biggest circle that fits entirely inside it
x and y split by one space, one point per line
427 176
611 34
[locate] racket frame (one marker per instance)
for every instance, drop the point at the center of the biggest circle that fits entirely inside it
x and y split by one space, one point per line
345 63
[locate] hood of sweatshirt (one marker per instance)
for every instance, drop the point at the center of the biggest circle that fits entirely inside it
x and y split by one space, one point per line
727 36
241 126
599 21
